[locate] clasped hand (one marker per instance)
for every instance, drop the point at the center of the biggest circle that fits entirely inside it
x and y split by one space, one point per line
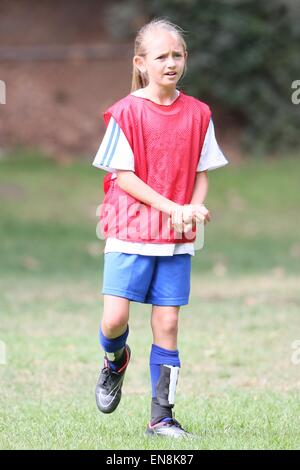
183 218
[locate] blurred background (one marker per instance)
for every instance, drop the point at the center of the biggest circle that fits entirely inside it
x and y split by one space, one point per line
63 63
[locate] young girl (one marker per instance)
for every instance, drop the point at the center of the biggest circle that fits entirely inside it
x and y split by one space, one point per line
157 148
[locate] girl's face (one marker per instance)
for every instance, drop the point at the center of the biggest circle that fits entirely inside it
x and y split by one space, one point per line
164 61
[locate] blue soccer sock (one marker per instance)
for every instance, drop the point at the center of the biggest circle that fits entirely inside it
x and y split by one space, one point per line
161 362
114 349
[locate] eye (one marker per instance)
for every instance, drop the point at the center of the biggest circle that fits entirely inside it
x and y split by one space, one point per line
162 56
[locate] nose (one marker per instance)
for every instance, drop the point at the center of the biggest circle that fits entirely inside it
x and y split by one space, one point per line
171 62
171 65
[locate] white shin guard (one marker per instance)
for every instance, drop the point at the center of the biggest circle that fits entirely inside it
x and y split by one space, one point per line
166 385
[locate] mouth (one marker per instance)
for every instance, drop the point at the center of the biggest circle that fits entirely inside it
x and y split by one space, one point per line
171 74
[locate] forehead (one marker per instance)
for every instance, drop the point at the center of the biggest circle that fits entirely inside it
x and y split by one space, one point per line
162 42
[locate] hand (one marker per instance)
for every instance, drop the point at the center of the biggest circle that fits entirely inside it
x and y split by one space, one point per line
176 219
201 213
184 218
188 217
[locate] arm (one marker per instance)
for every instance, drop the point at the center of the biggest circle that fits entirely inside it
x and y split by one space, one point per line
200 188
133 185
197 211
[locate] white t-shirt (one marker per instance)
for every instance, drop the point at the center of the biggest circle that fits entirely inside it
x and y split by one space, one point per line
115 153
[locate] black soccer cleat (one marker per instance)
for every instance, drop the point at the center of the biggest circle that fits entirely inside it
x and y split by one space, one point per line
109 385
170 428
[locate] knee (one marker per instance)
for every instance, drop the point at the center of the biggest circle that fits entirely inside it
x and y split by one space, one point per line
114 326
169 326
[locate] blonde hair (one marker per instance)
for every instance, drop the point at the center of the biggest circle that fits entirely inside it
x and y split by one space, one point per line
140 80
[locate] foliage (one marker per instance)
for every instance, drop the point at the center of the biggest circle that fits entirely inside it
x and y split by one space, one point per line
243 57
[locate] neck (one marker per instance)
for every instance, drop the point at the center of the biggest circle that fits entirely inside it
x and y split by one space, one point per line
161 95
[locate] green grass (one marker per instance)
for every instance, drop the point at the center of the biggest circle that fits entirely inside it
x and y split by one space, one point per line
238 388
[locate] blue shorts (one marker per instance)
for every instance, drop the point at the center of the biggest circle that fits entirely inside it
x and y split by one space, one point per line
156 280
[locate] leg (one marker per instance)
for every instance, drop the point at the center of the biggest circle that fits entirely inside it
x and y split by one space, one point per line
164 368
169 290
115 316
119 269
164 361
164 324
114 329
113 336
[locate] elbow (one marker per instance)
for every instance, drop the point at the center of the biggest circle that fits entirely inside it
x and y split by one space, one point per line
122 178
203 176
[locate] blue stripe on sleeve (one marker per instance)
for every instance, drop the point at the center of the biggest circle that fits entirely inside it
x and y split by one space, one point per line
109 143
114 147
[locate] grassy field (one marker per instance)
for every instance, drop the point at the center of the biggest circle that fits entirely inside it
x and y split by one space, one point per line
239 383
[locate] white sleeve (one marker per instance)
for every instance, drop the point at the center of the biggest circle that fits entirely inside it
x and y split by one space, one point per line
211 156
114 152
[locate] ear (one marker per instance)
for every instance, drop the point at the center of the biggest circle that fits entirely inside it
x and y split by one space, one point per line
139 62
